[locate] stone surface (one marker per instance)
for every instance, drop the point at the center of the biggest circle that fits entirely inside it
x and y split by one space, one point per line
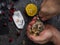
20 5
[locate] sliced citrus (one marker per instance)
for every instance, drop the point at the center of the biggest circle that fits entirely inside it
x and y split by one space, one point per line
31 9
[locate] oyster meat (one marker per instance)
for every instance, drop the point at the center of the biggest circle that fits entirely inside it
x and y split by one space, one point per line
37 27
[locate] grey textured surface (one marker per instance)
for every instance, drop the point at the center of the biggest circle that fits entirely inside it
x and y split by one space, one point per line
20 5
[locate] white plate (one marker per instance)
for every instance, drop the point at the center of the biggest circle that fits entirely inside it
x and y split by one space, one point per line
18 19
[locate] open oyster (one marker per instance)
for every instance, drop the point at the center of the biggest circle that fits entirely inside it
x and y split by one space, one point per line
37 27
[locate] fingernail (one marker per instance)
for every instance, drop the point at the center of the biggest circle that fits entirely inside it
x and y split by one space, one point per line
32 22
29 26
40 14
43 19
34 18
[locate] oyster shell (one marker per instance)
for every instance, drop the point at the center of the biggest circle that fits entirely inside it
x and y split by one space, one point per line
37 27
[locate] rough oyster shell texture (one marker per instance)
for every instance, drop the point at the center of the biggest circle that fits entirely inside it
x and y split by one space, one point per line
37 27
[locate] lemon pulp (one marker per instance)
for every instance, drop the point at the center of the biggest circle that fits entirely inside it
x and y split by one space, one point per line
31 9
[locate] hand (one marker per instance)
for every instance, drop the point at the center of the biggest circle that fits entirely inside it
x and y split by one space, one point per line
46 35
49 8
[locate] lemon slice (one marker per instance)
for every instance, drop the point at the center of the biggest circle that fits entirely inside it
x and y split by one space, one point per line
31 9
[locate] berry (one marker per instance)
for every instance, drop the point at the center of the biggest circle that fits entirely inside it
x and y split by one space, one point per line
10 40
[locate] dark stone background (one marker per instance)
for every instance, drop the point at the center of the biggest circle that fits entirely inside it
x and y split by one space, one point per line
18 40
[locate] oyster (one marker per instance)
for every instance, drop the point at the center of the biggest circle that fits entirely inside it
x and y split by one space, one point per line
37 27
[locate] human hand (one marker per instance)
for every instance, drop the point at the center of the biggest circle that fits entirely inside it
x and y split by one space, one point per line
48 34
49 9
